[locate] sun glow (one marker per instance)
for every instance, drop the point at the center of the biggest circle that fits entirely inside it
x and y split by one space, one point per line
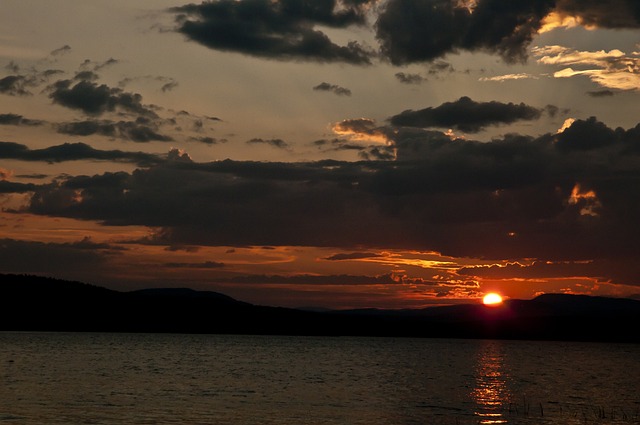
492 299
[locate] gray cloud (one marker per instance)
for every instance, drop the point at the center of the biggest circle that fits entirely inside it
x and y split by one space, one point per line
615 14
352 256
467 115
15 119
556 197
281 29
61 50
410 78
277 143
307 279
15 85
73 152
340 91
601 93
142 130
204 265
94 99
12 187
425 30
39 257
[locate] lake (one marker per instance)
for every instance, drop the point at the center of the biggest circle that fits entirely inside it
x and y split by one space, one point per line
102 378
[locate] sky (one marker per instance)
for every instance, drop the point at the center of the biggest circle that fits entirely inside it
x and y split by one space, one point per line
325 153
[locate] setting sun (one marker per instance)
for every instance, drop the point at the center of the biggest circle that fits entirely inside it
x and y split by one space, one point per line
492 299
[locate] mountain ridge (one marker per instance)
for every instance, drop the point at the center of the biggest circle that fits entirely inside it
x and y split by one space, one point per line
32 303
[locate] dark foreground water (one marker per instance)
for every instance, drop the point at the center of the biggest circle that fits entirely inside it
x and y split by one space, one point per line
57 378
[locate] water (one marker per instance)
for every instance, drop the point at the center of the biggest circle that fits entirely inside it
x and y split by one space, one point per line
58 378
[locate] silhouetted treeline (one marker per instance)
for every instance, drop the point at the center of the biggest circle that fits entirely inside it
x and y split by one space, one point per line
31 303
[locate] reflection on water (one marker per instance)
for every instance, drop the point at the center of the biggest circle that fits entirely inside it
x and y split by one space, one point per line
490 392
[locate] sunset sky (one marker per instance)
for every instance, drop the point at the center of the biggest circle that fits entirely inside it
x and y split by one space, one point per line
329 153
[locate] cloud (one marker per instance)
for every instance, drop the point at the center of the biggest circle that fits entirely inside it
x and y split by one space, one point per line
425 30
15 85
12 187
280 29
352 256
39 257
340 91
142 130
557 197
508 77
586 135
15 119
613 14
276 143
73 152
410 78
168 83
204 265
94 99
613 69
466 115
601 93
611 271
308 279
207 140
61 50
5 174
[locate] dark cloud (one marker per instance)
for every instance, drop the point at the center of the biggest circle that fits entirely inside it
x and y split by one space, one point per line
15 119
340 91
168 83
169 86
365 151
410 78
280 29
142 130
89 65
466 115
557 197
19 84
308 279
352 256
39 257
601 93
207 140
585 135
277 143
440 66
339 145
609 270
204 265
425 30
12 187
94 99
15 85
86 76
615 14
357 125
73 152
61 50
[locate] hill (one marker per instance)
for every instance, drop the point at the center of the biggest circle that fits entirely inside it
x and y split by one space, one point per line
32 303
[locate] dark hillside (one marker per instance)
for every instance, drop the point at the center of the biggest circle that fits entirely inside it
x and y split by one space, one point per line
32 303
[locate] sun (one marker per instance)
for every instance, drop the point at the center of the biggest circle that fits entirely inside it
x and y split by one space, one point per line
492 299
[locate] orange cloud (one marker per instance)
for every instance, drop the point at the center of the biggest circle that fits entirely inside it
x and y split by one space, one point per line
587 198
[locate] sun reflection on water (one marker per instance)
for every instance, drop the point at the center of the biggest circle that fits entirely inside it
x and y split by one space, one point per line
490 392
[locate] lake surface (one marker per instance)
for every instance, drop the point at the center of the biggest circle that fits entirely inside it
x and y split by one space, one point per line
85 378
